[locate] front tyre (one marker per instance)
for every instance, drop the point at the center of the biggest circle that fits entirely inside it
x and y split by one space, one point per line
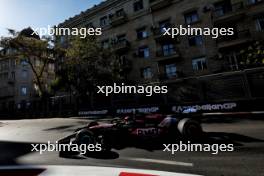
105 144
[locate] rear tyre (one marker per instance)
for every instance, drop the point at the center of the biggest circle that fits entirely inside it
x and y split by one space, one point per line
190 129
85 137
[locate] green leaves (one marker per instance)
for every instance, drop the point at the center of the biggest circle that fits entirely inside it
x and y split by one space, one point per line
87 65
253 54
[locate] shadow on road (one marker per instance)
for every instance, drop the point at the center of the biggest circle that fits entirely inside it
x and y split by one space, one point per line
65 127
208 138
96 155
229 138
103 155
10 151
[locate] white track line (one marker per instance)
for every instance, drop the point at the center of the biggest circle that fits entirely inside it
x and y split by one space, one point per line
91 171
161 161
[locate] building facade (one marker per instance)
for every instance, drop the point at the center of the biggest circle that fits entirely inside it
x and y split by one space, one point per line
134 30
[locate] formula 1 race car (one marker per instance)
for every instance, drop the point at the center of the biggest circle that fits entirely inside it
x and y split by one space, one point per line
131 130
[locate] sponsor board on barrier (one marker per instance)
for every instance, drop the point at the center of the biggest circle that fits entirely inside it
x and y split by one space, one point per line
140 110
174 109
206 107
102 112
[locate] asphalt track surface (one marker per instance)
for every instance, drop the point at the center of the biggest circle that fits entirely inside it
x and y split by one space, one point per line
247 135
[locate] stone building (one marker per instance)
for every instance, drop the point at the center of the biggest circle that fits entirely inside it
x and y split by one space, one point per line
134 29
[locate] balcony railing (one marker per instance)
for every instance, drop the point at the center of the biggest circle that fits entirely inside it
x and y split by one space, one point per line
126 64
11 80
158 4
228 9
159 32
167 52
244 34
7 93
171 76
118 19
121 45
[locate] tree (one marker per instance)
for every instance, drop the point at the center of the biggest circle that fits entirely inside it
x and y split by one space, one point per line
87 65
253 55
24 46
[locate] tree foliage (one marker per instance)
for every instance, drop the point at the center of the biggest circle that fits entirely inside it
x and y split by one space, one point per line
22 46
86 64
253 55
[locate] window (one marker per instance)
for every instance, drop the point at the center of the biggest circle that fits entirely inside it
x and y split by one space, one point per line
122 59
13 63
251 1
199 64
121 38
37 62
4 76
51 67
4 65
103 21
62 39
24 74
146 73
144 52
260 24
23 91
120 13
142 33
222 8
105 44
171 70
13 75
195 40
89 25
234 60
191 17
254 1
164 24
168 49
138 5
23 62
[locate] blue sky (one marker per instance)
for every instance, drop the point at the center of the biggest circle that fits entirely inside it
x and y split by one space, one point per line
19 14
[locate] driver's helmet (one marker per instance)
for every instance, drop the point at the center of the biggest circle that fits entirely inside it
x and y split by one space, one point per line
167 122
128 118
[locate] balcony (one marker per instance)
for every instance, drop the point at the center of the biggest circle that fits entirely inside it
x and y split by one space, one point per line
118 18
11 80
255 7
121 46
229 12
158 33
159 4
167 54
7 92
252 3
238 38
170 77
126 64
